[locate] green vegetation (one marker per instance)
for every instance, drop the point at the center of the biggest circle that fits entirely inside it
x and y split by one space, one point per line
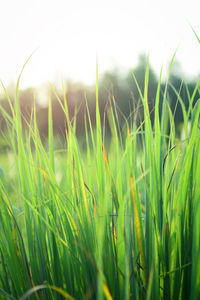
115 222
111 84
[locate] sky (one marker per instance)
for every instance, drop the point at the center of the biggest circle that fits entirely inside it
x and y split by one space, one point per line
66 36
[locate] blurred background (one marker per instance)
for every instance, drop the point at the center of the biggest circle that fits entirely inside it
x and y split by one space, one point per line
66 36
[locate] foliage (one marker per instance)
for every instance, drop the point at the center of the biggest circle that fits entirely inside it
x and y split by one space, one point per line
112 86
105 223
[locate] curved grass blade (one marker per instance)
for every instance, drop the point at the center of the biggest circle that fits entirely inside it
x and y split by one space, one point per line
41 287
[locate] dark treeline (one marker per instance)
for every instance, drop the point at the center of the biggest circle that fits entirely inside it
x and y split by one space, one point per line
113 87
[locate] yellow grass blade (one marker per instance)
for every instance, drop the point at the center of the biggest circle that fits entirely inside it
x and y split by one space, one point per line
107 292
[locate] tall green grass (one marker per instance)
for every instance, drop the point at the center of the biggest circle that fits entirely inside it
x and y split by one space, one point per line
120 222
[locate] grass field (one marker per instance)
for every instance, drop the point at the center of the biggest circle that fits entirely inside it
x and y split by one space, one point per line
117 222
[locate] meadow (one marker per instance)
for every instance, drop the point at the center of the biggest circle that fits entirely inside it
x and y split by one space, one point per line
116 221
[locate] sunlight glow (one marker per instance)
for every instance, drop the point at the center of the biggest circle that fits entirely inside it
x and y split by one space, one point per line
68 34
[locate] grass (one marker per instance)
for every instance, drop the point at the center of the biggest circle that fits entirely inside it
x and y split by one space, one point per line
106 223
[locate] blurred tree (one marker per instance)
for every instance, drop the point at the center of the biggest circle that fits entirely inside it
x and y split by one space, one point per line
27 99
180 88
139 73
113 87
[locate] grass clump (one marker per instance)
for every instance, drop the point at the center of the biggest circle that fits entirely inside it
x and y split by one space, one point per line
118 223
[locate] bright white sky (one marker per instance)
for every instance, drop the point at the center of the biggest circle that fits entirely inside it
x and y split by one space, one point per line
68 33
